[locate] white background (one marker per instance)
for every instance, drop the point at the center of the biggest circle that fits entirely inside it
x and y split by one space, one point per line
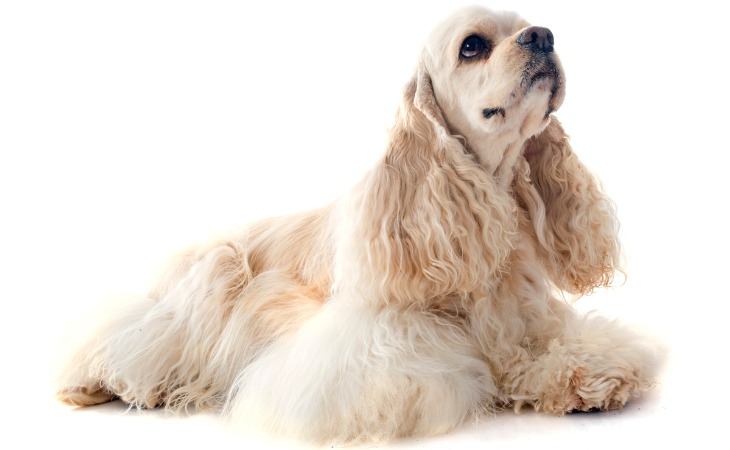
130 129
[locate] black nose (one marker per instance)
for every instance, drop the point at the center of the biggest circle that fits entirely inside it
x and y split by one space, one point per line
537 39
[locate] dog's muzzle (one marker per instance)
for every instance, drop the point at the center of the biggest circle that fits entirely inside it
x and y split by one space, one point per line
541 65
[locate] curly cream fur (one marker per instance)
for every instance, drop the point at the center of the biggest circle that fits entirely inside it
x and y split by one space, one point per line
575 222
425 297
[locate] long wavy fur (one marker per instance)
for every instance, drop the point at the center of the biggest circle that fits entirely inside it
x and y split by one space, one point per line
575 222
420 300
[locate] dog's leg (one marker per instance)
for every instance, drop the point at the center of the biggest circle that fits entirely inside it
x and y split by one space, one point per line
156 348
357 372
543 353
83 382
595 364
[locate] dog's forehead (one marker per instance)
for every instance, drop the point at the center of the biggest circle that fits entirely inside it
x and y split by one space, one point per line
495 25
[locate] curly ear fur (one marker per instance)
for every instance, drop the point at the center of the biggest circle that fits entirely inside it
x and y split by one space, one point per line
574 221
431 221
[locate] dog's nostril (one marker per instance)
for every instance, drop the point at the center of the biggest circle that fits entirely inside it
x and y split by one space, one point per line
537 39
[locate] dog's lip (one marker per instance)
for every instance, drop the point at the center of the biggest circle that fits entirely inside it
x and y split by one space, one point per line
540 68
541 75
546 70
488 113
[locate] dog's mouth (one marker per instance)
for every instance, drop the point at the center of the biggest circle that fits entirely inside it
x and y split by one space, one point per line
542 72
538 69
539 73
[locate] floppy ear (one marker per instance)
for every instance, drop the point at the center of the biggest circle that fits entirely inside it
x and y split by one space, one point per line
574 221
424 101
427 221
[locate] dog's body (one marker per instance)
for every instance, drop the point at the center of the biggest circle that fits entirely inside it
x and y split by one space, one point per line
421 299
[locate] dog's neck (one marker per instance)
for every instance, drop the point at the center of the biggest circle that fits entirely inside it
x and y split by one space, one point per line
497 150
498 154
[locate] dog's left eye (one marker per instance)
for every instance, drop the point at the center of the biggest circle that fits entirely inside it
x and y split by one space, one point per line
473 46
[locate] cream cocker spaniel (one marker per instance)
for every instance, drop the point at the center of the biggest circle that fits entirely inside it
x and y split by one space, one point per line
427 296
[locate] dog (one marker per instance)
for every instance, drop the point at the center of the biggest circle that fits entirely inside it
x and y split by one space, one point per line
430 294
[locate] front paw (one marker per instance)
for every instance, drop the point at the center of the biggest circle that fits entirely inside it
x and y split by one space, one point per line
583 389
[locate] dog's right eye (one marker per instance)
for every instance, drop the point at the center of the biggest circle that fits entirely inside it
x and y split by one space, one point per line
472 47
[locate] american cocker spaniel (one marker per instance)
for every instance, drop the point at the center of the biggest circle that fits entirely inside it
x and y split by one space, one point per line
430 294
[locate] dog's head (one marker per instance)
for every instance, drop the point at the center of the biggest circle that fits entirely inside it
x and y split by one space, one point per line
495 81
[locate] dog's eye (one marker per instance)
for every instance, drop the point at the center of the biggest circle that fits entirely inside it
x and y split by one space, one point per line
473 46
